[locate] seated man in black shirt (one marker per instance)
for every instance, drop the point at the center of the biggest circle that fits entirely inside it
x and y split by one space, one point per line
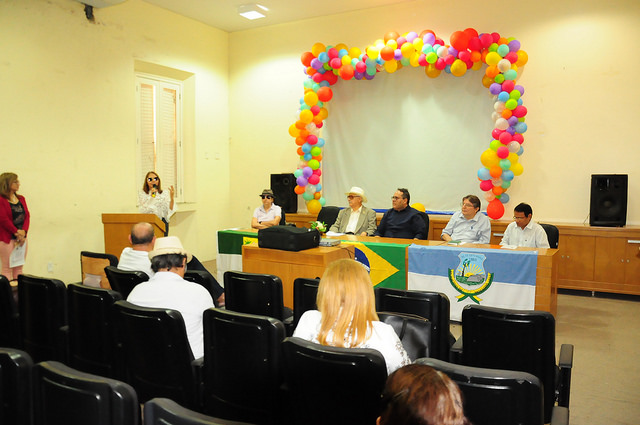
402 221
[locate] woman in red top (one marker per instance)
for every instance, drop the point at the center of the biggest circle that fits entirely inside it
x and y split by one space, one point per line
14 222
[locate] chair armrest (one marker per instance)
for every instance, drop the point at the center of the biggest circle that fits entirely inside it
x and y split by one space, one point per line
288 326
63 344
564 383
560 416
455 352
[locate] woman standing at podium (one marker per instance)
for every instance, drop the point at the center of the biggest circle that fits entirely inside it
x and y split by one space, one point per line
153 200
14 224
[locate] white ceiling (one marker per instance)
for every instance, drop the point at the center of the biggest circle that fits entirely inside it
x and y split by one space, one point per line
223 14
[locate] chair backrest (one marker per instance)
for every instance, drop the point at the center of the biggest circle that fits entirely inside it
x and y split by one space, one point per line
124 281
254 293
283 219
414 332
63 395
552 234
91 347
203 278
154 352
328 215
425 217
92 265
305 292
495 397
433 306
15 387
333 385
163 411
522 340
243 366
9 317
42 304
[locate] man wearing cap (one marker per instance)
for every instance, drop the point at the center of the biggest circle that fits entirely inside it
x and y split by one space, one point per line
268 214
168 289
402 221
357 219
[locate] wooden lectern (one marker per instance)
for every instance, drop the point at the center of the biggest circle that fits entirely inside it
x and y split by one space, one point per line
117 228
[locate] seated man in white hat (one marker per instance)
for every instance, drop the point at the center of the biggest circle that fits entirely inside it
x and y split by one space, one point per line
168 289
357 219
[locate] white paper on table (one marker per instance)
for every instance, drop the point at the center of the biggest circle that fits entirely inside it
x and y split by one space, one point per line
509 246
330 233
18 255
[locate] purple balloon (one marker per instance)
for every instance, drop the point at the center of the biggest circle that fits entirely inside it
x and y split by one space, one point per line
520 89
369 77
514 45
495 88
307 172
316 64
429 38
512 120
301 181
453 52
397 54
358 75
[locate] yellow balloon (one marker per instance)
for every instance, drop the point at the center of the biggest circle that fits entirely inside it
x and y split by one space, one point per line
306 116
318 48
294 131
324 113
513 157
432 71
523 58
346 60
311 98
493 58
418 206
391 66
489 158
458 68
355 52
517 169
341 46
314 206
392 43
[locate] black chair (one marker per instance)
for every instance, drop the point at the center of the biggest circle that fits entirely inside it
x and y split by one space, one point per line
162 411
124 281
154 353
63 395
340 386
92 266
328 215
9 317
552 234
433 306
414 332
255 293
305 292
42 305
15 387
498 397
520 340
242 371
205 279
425 217
90 333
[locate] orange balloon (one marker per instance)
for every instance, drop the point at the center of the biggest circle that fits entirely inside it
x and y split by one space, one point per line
298 190
391 35
299 151
506 113
497 190
495 172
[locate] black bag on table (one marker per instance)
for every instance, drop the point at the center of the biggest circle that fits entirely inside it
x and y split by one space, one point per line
288 238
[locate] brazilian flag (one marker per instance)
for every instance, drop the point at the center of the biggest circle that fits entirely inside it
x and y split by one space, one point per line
386 262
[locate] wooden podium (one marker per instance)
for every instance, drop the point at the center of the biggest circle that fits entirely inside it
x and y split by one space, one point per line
117 228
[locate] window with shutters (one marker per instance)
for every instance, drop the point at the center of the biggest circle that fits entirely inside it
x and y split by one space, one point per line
159 125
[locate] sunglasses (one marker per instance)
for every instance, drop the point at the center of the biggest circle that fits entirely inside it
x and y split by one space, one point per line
150 179
266 196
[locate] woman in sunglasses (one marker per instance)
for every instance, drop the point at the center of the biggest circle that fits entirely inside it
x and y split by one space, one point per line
268 214
153 200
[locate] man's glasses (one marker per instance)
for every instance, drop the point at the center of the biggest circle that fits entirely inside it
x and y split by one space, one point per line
150 179
518 218
464 204
352 196
395 198
266 197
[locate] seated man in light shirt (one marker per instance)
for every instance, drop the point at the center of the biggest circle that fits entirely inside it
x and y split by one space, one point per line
268 214
357 219
468 225
523 231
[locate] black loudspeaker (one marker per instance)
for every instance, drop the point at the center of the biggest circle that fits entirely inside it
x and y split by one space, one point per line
608 200
282 186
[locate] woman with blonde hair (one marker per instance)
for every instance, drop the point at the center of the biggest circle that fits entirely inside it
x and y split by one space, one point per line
153 200
14 222
346 315
420 395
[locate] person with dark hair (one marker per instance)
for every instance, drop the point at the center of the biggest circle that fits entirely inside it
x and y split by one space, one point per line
14 223
168 289
136 257
524 231
420 395
468 225
153 200
402 221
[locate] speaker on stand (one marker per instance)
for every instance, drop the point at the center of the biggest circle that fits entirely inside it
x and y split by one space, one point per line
283 186
608 200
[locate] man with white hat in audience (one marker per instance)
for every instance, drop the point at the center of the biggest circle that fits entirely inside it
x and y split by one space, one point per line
357 219
168 289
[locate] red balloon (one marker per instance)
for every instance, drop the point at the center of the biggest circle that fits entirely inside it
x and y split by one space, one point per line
460 40
333 53
306 58
475 44
346 72
503 151
495 209
508 86
471 32
325 94
486 40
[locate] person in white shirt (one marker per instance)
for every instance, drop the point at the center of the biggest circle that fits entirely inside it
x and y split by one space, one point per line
267 214
357 219
524 231
468 225
168 289
346 315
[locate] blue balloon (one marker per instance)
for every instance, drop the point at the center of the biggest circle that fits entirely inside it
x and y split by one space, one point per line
504 198
306 148
503 96
520 127
507 175
307 157
484 174
320 142
323 57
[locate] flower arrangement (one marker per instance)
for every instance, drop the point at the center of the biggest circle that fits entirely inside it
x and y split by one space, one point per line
319 226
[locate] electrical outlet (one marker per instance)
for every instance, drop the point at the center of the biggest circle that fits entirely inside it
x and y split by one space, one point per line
50 267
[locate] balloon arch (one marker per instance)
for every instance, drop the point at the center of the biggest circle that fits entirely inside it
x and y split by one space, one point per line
325 65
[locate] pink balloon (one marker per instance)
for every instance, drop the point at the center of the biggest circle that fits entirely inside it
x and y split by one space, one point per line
502 152
486 185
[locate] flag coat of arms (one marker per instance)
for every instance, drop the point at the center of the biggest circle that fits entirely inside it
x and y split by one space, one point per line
490 277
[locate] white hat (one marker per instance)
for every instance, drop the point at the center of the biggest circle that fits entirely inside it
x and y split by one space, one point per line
168 245
357 191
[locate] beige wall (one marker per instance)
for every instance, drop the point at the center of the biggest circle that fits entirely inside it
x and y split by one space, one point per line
580 87
68 120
